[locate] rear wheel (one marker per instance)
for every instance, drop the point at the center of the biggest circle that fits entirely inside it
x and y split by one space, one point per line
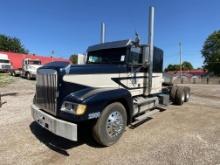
180 96
111 124
173 93
187 93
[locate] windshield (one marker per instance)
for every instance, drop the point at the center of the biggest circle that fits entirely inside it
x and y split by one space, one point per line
34 62
4 61
107 56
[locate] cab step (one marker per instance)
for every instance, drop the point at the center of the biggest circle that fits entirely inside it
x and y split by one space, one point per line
146 116
161 108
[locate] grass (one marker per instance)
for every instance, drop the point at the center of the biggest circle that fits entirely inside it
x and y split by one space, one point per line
5 79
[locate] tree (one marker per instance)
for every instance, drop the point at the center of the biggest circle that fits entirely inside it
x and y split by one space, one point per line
211 53
169 68
12 44
176 67
187 65
172 67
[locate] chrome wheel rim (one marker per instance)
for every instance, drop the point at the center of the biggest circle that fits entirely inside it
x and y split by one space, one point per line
114 124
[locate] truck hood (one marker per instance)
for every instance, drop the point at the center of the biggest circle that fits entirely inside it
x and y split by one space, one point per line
74 78
94 76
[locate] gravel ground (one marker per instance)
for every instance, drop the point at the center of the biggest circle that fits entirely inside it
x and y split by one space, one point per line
188 134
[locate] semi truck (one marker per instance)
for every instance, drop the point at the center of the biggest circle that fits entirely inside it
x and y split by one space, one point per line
29 68
120 85
5 64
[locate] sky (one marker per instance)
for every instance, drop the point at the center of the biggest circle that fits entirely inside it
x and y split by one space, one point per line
70 26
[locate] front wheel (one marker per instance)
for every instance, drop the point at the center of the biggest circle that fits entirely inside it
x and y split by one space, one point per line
28 76
111 124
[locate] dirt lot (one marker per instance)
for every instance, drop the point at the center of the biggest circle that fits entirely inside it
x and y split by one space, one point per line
5 79
188 134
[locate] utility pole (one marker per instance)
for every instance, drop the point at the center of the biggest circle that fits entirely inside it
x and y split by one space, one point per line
180 47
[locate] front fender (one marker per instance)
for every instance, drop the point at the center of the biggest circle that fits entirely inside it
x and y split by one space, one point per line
97 99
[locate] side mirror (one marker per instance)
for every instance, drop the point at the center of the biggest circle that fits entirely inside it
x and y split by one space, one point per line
135 56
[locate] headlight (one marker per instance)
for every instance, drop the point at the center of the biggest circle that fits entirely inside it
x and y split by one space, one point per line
73 108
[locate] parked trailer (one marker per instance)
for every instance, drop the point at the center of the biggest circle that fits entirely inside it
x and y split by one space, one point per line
121 84
26 65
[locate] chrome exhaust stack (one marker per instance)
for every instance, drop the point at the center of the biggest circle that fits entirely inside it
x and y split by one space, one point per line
102 39
151 46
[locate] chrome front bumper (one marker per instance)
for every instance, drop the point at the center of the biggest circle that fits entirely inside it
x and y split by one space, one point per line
59 127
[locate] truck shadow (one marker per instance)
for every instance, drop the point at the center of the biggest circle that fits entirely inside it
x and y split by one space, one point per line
59 144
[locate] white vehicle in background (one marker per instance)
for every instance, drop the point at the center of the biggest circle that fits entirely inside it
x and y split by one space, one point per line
81 59
5 63
78 59
29 68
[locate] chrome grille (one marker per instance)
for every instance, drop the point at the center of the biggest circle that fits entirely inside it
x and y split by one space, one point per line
46 90
6 66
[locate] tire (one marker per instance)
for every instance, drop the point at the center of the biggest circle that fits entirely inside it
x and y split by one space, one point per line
173 93
187 93
102 130
13 74
180 96
28 76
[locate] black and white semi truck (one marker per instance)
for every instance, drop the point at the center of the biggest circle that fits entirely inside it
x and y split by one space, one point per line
120 85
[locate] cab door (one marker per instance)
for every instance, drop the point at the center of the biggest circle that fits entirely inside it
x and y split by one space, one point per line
135 71
25 64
